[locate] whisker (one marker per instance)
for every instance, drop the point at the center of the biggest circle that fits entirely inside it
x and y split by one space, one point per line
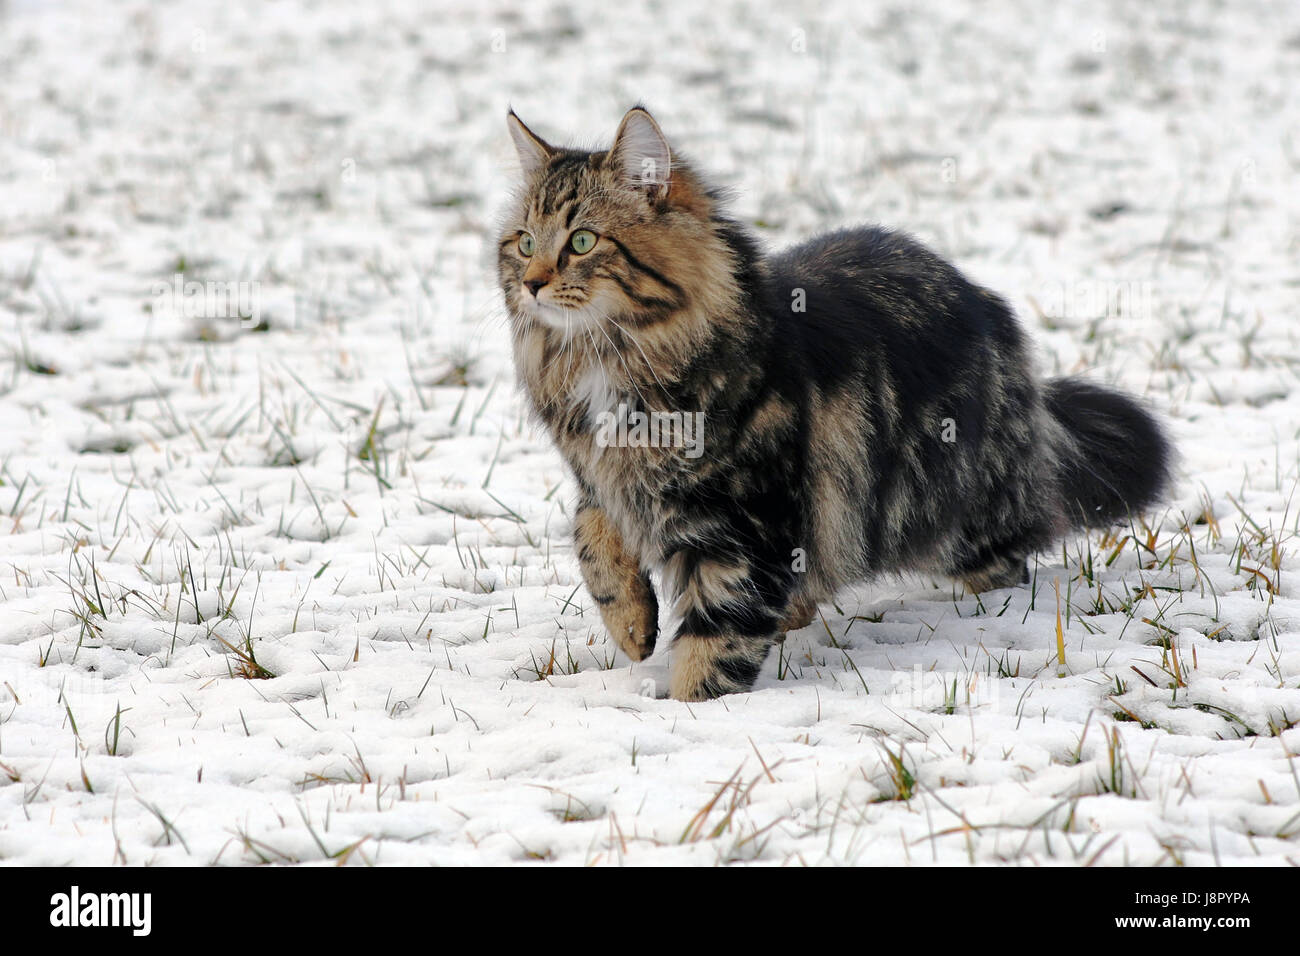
663 388
631 379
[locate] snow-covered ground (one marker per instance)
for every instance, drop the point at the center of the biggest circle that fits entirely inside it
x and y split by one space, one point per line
285 573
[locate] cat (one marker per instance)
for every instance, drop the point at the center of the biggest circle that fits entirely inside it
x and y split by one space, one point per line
860 407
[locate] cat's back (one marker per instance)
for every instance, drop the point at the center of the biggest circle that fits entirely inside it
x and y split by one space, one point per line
871 284
853 251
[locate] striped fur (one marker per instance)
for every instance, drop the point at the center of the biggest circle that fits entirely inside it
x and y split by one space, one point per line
866 408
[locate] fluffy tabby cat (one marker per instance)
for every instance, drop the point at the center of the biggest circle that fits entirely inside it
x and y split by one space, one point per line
866 408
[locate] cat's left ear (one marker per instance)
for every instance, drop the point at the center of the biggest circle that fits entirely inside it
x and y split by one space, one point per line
532 149
641 152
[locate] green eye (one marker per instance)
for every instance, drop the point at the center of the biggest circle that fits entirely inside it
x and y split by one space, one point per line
525 244
582 241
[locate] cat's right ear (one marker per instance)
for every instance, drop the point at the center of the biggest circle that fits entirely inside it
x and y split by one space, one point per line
533 151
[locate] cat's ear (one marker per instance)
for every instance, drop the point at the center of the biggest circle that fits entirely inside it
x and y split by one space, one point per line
641 153
532 149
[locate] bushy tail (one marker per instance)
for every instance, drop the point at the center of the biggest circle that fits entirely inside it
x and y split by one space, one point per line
1117 460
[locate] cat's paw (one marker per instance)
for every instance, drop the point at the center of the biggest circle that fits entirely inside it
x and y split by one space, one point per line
801 612
707 667
634 625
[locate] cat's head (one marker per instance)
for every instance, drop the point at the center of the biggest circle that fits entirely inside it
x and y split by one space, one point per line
623 235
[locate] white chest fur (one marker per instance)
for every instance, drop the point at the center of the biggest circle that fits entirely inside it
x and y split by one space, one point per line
594 393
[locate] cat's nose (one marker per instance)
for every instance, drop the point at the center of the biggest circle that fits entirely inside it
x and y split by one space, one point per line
533 285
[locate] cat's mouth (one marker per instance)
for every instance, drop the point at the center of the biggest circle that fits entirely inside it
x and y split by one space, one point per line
565 315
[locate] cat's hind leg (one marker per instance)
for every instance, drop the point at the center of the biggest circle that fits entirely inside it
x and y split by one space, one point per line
999 571
800 613
617 584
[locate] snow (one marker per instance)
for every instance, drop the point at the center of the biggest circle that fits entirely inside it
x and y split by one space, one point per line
338 476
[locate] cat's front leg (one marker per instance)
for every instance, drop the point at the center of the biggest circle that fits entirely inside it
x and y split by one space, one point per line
731 617
619 587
